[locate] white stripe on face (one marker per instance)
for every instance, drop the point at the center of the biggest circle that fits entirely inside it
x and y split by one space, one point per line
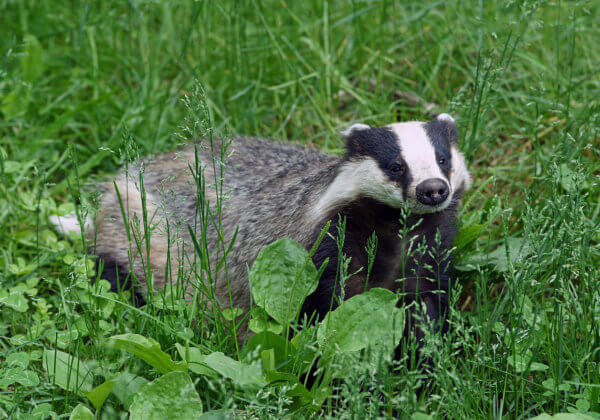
459 176
418 153
357 178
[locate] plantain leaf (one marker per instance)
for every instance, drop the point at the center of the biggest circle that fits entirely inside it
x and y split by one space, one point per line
68 372
283 349
368 319
195 360
244 375
563 416
172 396
282 276
81 412
126 386
217 415
98 395
467 235
148 350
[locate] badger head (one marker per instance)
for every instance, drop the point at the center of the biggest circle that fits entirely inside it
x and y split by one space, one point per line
413 164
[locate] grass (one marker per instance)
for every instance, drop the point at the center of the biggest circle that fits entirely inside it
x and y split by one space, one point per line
86 86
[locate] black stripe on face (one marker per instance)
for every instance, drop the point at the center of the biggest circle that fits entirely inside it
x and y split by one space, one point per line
382 145
442 134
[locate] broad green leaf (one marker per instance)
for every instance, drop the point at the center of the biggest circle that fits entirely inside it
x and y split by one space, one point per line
518 249
521 364
32 62
267 357
283 349
81 412
172 396
421 416
148 350
282 276
550 384
563 416
195 360
582 405
230 314
258 325
297 388
28 378
17 375
467 235
217 415
64 339
287 358
244 375
42 411
126 386
366 319
98 395
14 299
570 180
261 321
20 359
68 372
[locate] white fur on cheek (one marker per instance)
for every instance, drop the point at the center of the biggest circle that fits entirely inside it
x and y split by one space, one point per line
418 153
460 176
356 178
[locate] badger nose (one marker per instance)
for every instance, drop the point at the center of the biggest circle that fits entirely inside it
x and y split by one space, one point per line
432 191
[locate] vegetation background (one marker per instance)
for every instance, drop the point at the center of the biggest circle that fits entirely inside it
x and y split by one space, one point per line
87 85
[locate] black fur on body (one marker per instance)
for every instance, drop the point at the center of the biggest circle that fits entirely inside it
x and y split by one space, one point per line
272 189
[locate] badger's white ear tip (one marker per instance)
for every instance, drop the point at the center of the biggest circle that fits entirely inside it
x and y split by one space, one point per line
354 127
445 117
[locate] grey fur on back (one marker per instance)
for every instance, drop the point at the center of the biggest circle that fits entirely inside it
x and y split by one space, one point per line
267 188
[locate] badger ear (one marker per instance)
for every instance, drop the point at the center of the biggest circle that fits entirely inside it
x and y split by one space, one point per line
444 124
355 127
358 140
445 117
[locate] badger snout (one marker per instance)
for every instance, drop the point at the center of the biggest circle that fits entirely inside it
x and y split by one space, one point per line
432 192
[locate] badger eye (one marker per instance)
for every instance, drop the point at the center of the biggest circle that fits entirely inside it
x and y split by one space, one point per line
397 169
442 161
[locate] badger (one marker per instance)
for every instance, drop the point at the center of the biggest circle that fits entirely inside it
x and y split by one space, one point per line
402 182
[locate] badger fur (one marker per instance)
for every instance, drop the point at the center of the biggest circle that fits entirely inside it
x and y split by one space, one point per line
276 190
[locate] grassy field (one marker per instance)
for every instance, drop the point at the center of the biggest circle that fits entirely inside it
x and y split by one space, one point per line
88 85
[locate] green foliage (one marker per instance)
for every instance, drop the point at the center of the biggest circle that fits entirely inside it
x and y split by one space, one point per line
32 62
366 319
148 350
81 412
244 375
281 278
563 416
126 387
98 395
171 396
87 86
68 372
370 320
